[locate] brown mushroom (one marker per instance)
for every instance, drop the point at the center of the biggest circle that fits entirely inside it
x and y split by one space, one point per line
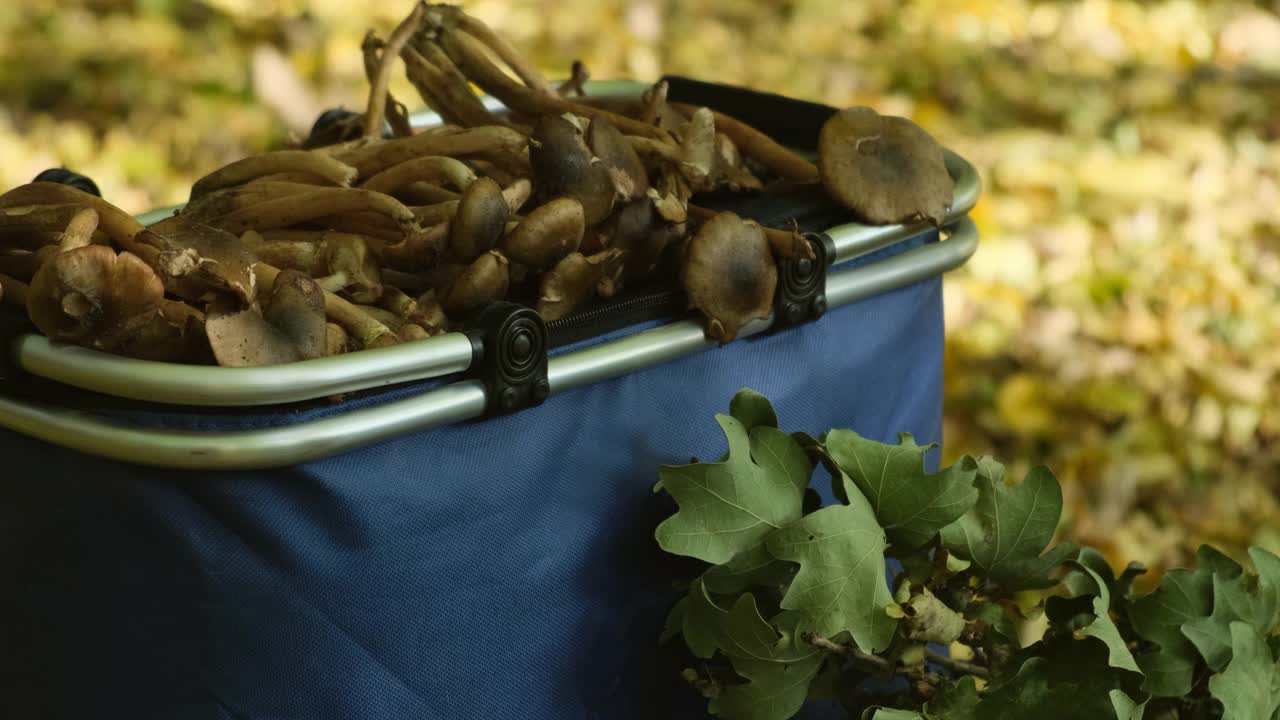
755 144
365 332
336 340
576 83
563 166
483 282
14 292
22 264
241 171
729 274
429 316
379 97
433 168
572 282
397 115
630 180
195 260
351 269
546 234
886 169
88 295
32 227
641 234
479 221
288 327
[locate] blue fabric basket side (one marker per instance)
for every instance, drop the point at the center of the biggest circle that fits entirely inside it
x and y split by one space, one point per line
496 569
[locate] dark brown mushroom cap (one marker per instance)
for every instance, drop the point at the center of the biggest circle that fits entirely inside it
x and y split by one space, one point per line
886 169
729 274
563 166
630 180
484 281
479 221
196 260
641 234
90 295
573 281
546 234
290 326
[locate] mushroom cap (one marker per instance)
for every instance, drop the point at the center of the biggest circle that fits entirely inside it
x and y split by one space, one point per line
349 254
484 281
630 180
91 295
196 260
479 221
547 234
290 325
729 274
886 169
573 281
563 166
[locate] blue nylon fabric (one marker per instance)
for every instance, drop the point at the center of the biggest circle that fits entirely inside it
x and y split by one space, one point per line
503 569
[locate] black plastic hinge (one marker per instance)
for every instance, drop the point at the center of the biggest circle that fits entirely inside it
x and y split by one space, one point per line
802 284
509 343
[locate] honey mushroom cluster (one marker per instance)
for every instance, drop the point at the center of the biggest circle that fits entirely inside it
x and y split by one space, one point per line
364 238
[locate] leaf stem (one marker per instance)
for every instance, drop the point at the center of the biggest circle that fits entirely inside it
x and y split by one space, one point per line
959 666
888 666
881 664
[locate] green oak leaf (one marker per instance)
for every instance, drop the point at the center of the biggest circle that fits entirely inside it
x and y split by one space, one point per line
841 583
1236 599
1063 680
997 618
778 667
1182 596
956 700
912 505
674 624
727 507
1125 707
1249 688
753 567
752 409
1217 563
1008 528
1103 628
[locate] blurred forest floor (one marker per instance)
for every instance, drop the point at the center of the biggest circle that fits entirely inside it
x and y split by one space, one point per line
1120 322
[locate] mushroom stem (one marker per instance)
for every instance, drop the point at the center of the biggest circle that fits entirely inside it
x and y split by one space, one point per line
333 172
523 69
23 265
421 193
373 158
784 243
418 250
653 148
382 316
435 168
317 203
397 115
754 143
654 98
366 331
449 84
429 81
517 194
410 282
467 52
15 292
334 283
116 223
79 232
575 84
378 95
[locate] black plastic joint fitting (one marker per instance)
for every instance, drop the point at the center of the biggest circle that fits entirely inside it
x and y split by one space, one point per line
802 284
509 344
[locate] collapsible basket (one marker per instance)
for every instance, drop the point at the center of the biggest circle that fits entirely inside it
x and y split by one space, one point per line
469 532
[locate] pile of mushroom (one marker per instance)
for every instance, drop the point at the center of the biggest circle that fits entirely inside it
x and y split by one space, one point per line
364 238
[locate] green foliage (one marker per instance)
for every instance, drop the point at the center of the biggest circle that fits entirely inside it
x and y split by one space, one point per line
797 603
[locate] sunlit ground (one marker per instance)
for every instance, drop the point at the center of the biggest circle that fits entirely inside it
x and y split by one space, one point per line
1120 322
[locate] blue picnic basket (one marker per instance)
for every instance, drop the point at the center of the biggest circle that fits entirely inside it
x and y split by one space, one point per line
201 542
